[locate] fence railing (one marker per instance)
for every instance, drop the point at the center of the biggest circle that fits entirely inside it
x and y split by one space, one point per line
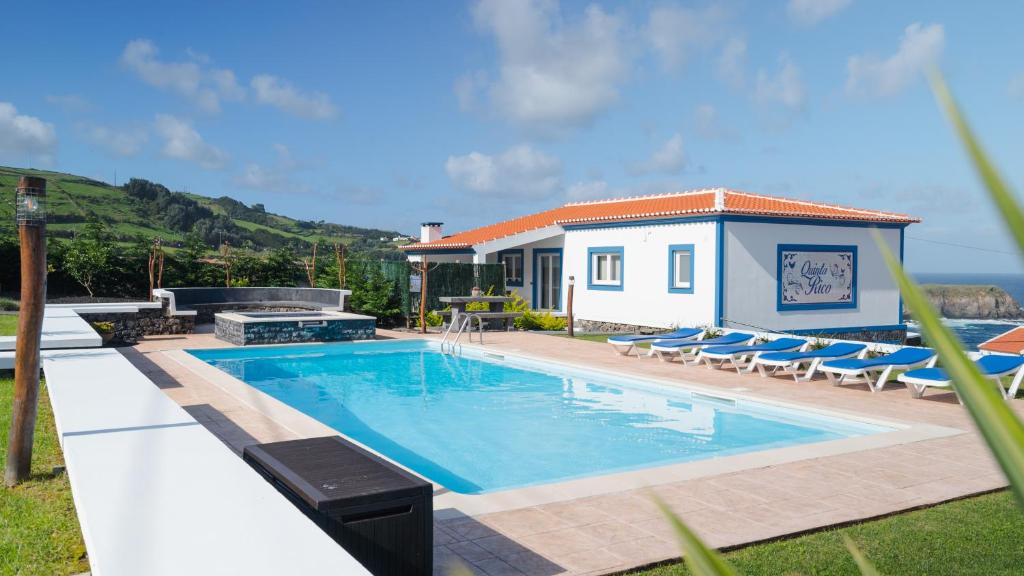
443 279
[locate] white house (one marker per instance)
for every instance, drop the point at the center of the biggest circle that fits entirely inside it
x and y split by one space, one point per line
705 257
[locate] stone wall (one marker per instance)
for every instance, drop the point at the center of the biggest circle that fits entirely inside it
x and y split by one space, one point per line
205 313
287 332
879 336
130 326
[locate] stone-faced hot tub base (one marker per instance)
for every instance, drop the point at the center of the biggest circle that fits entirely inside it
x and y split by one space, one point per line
245 328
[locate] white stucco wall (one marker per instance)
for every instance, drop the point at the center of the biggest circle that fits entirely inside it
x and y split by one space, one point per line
645 298
751 264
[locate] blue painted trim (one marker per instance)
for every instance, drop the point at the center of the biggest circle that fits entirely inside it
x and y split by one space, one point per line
445 251
781 307
561 272
719 273
812 331
734 218
672 249
900 315
622 268
522 266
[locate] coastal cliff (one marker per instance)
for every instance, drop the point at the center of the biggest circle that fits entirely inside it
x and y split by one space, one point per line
973 302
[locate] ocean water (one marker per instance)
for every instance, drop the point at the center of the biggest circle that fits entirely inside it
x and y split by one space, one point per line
974 332
474 423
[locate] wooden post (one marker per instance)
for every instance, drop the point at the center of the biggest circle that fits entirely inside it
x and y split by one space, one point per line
32 235
568 305
423 294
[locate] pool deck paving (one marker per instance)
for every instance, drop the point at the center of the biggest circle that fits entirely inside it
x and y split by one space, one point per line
611 529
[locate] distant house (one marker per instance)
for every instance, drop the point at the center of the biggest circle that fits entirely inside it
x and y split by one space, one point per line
706 257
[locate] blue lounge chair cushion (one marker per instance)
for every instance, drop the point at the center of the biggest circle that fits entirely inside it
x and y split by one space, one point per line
991 365
780 344
901 357
730 338
681 333
839 349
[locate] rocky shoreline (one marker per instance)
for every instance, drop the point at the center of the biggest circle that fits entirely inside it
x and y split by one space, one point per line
968 302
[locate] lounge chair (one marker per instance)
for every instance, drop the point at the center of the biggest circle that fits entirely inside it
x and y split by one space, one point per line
668 349
625 344
790 362
993 366
737 355
852 370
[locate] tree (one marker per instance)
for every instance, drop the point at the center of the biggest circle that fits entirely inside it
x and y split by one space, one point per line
373 294
89 255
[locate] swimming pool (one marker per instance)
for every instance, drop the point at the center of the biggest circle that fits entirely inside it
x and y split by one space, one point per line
480 422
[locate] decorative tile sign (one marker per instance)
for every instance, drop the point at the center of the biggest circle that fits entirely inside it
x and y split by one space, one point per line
814 277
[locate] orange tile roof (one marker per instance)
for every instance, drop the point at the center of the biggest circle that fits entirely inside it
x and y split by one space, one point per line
1011 342
709 201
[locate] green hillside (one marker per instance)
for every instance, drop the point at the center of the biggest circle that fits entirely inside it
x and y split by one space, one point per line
146 210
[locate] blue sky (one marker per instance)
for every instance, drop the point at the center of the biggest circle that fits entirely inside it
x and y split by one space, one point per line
386 114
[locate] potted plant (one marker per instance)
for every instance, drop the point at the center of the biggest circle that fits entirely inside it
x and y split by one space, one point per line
105 330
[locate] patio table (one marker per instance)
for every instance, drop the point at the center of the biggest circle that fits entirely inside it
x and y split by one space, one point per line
458 303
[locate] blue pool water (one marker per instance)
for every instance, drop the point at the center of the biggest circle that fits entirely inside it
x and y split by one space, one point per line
477 424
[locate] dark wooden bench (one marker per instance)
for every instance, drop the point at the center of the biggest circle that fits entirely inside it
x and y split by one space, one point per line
507 318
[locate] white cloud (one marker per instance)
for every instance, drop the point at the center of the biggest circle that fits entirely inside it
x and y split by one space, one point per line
784 87
919 47
708 125
810 12
670 158
674 31
275 91
519 172
553 74
467 87
182 142
206 87
588 190
732 62
23 134
278 177
71 103
1016 86
117 141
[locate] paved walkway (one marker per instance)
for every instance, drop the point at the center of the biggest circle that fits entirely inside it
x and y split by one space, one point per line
612 532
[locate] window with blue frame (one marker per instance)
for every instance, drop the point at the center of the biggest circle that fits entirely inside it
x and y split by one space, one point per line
605 268
680 268
513 262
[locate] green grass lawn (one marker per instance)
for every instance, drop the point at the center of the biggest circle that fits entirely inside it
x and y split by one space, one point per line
8 324
39 531
981 535
603 338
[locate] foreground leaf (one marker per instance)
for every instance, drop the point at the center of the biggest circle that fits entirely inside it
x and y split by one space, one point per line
700 559
865 565
994 183
998 424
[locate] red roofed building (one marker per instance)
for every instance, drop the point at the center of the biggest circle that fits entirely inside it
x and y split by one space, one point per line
1009 342
703 257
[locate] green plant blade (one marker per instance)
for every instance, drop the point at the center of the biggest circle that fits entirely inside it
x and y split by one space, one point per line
865 565
998 424
994 183
700 559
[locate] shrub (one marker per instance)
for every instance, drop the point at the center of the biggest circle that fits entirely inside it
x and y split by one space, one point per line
103 327
8 305
531 319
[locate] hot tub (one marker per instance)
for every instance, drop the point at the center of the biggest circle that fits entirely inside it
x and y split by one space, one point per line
245 328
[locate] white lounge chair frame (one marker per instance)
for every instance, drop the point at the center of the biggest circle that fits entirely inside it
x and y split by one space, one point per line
690 354
863 375
917 386
793 366
632 346
739 360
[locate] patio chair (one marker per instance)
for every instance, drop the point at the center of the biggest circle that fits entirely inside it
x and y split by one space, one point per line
666 350
737 355
992 366
791 362
854 370
626 344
